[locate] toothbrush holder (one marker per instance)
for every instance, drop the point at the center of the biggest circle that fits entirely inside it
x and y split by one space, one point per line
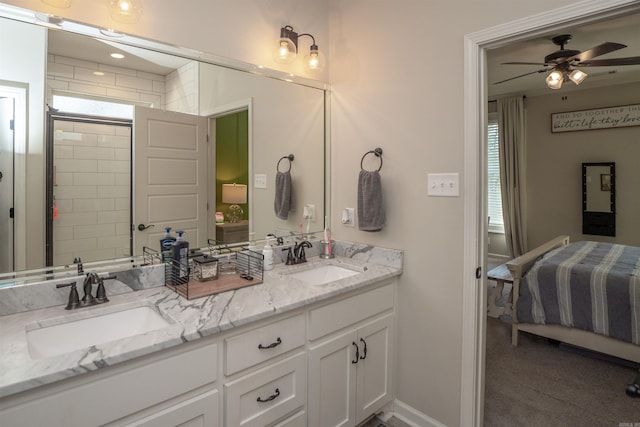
326 250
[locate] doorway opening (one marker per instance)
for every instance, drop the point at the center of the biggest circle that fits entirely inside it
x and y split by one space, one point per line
13 134
474 299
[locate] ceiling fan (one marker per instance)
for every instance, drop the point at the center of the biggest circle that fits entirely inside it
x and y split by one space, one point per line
561 63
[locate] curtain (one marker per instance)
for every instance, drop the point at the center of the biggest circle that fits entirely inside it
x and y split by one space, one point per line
512 145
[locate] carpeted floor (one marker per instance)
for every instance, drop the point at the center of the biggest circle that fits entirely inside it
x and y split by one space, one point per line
539 384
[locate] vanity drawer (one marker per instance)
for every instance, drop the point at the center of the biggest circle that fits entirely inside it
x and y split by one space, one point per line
258 345
333 317
267 395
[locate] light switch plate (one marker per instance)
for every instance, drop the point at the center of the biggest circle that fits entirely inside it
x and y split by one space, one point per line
443 184
260 180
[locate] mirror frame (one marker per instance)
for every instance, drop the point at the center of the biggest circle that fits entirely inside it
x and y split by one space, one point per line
599 223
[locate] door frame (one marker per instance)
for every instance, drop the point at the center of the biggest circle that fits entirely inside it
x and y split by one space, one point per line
51 117
475 227
211 115
20 93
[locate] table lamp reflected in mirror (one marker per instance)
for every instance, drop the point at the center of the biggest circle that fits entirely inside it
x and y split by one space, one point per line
234 195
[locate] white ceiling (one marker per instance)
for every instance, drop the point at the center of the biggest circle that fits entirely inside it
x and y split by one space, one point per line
93 50
625 30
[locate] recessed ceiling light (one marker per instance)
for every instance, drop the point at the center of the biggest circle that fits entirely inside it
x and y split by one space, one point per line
98 73
117 55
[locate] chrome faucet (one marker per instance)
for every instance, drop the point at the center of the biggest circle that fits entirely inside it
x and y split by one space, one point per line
88 299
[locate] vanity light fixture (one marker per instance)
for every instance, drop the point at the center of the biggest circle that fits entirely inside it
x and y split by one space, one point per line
287 48
57 3
125 11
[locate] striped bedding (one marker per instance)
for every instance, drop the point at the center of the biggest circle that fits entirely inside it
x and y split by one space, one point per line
588 285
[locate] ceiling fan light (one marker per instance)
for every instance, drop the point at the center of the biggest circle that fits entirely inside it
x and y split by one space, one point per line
555 79
577 76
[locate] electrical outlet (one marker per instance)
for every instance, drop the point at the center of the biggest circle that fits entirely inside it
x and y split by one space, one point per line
260 180
348 217
309 212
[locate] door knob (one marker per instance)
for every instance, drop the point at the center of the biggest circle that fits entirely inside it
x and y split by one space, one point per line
143 227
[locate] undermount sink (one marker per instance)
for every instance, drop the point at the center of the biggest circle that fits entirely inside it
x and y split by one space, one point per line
323 274
71 332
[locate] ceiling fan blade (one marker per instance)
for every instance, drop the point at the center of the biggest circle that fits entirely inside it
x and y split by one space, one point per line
632 60
525 63
521 75
596 51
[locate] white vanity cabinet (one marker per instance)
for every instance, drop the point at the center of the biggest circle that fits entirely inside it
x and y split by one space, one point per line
323 364
167 389
350 358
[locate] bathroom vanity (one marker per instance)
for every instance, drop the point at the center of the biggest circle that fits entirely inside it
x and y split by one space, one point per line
289 352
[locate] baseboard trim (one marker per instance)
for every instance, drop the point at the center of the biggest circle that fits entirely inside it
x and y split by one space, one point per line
412 416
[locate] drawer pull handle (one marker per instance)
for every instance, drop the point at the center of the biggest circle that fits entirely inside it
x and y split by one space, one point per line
270 398
354 361
364 355
272 345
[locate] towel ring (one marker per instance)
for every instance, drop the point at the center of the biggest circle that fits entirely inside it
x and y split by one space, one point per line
290 157
377 152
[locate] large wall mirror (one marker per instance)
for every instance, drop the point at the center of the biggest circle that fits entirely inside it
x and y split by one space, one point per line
599 199
96 183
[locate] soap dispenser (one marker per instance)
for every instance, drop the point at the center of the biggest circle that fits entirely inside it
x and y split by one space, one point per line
267 252
180 260
166 243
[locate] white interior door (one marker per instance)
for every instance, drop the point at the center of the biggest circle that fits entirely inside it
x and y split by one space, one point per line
170 176
6 183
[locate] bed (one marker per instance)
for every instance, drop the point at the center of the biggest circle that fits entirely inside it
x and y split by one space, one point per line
585 294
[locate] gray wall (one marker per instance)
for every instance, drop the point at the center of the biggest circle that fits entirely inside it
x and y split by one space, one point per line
554 160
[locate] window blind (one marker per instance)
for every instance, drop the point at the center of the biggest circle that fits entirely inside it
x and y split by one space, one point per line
496 223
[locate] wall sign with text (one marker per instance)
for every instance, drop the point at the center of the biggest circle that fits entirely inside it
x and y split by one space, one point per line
600 118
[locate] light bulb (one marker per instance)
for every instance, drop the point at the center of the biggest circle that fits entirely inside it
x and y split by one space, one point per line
555 79
314 61
127 11
577 76
285 51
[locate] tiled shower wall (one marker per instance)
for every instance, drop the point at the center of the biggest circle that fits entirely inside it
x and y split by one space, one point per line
182 89
74 75
92 192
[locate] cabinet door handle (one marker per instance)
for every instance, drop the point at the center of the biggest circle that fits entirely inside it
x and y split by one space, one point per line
272 345
270 398
364 355
354 361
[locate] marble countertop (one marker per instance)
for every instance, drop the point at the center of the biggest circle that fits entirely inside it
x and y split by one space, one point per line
190 320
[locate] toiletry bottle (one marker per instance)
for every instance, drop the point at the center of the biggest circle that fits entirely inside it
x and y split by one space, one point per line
267 252
166 244
180 260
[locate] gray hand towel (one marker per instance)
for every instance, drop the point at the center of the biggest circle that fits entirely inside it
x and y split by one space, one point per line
371 216
283 202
